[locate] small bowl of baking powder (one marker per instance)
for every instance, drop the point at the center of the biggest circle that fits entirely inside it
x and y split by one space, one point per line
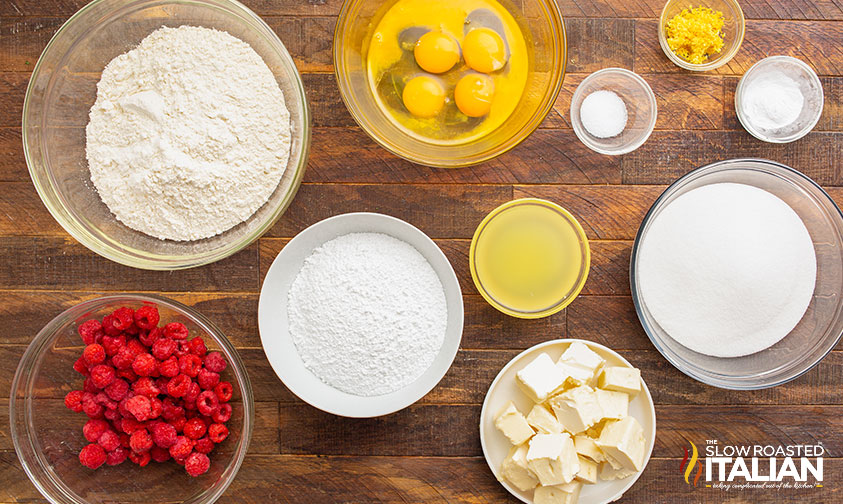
779 100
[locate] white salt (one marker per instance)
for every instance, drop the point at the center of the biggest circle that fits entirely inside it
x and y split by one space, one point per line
772 101
603 114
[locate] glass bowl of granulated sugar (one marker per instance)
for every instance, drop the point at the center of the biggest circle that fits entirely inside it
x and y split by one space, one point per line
166 134
737 274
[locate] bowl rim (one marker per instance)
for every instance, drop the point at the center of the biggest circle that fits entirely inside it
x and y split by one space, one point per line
585 267
740 19
585 137
812 76
47 335
726 383
645 392
559 68
118 254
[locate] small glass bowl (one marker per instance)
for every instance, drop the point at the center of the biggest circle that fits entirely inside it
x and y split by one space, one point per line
734 26
63 87
567 219
48 436
641 109
822 325
543 27
809 84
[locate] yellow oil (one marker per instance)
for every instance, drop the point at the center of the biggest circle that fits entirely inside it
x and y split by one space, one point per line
530 257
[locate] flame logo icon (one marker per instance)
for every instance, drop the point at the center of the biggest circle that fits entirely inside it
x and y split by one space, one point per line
687 470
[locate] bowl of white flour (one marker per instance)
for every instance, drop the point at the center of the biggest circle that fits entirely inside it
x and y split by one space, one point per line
361 315
737 274
166 135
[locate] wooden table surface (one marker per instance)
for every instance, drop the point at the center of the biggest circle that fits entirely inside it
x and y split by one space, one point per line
430 452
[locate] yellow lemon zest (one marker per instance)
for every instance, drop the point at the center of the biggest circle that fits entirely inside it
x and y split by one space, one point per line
695 34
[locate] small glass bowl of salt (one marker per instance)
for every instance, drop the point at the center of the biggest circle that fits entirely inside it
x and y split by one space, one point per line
613 111
779 99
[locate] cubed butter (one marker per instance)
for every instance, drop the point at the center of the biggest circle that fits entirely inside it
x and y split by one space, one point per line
553 458
514 469
575 375
543 420
513 425
558 494
588 471
615 405
540 378
609 473
623 441
587 447
577 409
578 354
620 379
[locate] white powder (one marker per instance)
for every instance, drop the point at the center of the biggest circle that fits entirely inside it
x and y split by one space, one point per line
727 269
772 101
367 313
603 114
189 134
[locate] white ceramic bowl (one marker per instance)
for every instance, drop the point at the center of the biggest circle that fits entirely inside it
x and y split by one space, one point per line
274 324
504 389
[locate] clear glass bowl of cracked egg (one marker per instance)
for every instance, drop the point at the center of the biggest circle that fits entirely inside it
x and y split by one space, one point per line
63 89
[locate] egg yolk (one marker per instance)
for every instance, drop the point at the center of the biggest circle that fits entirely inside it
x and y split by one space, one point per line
484 50
473 95
424 96
436 52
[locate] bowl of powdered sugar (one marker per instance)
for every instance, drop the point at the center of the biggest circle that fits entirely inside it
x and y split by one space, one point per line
361 315
166 135
737 274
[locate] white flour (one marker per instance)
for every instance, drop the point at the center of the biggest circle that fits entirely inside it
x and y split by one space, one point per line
189 134
367 313
727 269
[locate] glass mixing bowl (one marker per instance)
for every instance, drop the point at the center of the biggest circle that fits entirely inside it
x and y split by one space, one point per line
821 326
62 90
540 22
48 436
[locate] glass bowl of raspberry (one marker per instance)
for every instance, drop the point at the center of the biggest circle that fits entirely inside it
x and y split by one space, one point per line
131 398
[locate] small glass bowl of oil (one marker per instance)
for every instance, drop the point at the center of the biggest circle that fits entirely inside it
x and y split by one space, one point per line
529 258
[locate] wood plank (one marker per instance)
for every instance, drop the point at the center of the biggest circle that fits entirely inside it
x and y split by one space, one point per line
668 155
598 43
23 39
64 8
608 320
12 164
752 9
12 90
806 40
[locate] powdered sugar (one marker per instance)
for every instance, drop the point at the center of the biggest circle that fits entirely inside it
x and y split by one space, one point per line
367 313
189 135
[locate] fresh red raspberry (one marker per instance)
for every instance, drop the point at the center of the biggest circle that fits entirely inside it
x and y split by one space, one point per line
195 428
123 359
93 429
127 374
113 344
161 382
118 389
223 414
109 440
190 365
192 395
112 415
164 434
215 362
159 454
81 367
141 459
157 407
204 445
149 338
109 325
133 330
197 464
145 365
163 348
102 375
90 331
135 347
207 379
124 317
73 400
176 331
93 354
140 407
207 403
179 386
140 441
145 386
181 448
197 347
224 391
169 367
92 456
171 409
217 432
89 386
129 425
178 423
117 456
92 409
103 399
147 317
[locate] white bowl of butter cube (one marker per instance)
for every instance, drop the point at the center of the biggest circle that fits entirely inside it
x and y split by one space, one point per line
568 421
